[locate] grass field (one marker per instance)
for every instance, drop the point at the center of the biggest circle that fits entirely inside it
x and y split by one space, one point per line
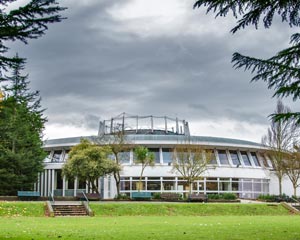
153 221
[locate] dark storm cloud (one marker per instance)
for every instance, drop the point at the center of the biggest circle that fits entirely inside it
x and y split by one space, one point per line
94 66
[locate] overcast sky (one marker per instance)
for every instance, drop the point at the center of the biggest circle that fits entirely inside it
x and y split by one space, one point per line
157 57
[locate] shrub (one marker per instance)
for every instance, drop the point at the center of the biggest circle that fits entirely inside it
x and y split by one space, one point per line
229 196
156 196
121 196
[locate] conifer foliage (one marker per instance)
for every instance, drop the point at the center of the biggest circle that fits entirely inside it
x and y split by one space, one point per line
21 126
281 72
27 22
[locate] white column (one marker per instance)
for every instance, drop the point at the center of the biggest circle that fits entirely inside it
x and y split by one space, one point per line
99 185
42 183
38 183
64 186
75 186
45 183
53 183
49 182
161 156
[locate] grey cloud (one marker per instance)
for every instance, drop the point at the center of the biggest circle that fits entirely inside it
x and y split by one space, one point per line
89 65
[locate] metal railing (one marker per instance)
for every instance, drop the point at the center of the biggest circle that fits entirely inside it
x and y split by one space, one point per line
295 203
51 198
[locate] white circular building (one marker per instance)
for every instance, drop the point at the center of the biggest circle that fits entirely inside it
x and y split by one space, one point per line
238 166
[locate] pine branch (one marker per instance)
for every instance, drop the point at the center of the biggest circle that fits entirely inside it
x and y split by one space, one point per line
252 11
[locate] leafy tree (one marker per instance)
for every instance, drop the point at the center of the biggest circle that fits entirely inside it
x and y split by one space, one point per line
21 126
280 139
144 157
292 168
27 22
280 72
190 161
88 162
119 144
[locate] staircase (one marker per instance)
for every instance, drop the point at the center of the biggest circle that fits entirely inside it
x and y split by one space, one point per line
69 209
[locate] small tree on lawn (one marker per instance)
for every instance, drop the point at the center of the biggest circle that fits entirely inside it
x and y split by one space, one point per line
88 162
146 158
190 161
280 139
292 168
119 144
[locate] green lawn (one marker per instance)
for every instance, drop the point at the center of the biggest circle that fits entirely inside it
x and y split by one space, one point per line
25 220
152 227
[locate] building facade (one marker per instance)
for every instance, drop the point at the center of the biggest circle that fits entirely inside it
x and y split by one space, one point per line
237 166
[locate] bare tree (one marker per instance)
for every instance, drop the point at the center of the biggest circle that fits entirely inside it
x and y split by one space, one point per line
280 139
119 144
190 161
292 168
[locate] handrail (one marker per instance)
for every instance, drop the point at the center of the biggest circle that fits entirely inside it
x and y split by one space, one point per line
296 201
51 198
87 200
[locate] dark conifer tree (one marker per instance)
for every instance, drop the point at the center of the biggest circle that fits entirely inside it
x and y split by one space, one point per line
282 71
21 126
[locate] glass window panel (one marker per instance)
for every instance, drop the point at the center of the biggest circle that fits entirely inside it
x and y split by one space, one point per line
125 185
66 155
56 156
223 157
212 156
247 185
264 160
48 158
246 159
235 158
212 186
255 159
153 185
168 185
124 157
167 155
156 154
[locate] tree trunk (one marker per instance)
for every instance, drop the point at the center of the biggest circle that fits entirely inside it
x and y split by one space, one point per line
280 185
295 190
117 180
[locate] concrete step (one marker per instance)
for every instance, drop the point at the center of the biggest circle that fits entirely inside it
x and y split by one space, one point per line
69 210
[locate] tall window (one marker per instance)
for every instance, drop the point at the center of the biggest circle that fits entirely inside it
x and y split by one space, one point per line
213 160
246 159
235 158
156 154
223 157
167 155
56 156
255 159
124 157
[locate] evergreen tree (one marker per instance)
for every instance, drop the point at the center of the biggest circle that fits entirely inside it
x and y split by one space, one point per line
281 72
21 126
27 22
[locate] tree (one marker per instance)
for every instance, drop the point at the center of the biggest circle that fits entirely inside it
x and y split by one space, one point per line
292 168
280 139
144 157
27 22
88 162
118 144
280 72
21 126
190 161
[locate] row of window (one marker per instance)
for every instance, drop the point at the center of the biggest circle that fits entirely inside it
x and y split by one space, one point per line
206 185
166 155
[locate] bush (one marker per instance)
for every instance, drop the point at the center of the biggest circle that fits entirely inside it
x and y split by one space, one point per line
156 196
121 196
229 196
223 196
274 198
